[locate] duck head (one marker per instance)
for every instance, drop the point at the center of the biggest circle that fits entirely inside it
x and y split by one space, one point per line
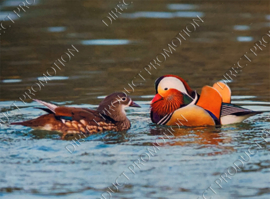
114 106
172 92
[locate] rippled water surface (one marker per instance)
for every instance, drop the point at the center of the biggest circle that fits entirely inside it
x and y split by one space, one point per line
36 164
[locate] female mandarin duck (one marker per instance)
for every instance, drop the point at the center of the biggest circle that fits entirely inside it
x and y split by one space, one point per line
110 116
176 103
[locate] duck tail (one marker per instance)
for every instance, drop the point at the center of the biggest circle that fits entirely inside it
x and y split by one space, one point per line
25 123
50 106
251 113
239 116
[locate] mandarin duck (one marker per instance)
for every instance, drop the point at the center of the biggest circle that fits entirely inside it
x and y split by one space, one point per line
109 116
175 103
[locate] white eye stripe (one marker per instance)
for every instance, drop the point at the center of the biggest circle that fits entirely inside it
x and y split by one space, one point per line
129 102
172 82
117 101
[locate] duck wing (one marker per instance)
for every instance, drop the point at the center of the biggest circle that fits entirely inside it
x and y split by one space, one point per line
211 101
65 118
75 114
224 91
231 113
232 109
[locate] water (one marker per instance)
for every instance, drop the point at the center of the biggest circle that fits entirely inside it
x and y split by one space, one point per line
36 164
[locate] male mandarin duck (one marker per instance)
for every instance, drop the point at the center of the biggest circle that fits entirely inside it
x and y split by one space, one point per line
109 116
175 103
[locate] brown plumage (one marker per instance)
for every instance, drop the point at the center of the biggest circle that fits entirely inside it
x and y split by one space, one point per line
110 116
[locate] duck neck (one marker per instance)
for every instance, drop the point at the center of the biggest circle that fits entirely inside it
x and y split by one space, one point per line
120 120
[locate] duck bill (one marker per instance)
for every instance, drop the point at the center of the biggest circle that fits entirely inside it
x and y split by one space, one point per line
133 104
156 98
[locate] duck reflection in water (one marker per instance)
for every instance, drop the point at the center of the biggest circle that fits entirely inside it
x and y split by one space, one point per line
186 136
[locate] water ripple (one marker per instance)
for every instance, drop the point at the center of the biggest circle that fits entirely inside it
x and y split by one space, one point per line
11 80
106 42
179 6
163 15
244 38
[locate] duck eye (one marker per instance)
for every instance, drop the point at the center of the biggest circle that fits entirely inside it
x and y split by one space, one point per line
124 99
165 89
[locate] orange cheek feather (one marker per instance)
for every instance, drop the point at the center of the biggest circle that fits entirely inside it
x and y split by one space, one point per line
170 102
